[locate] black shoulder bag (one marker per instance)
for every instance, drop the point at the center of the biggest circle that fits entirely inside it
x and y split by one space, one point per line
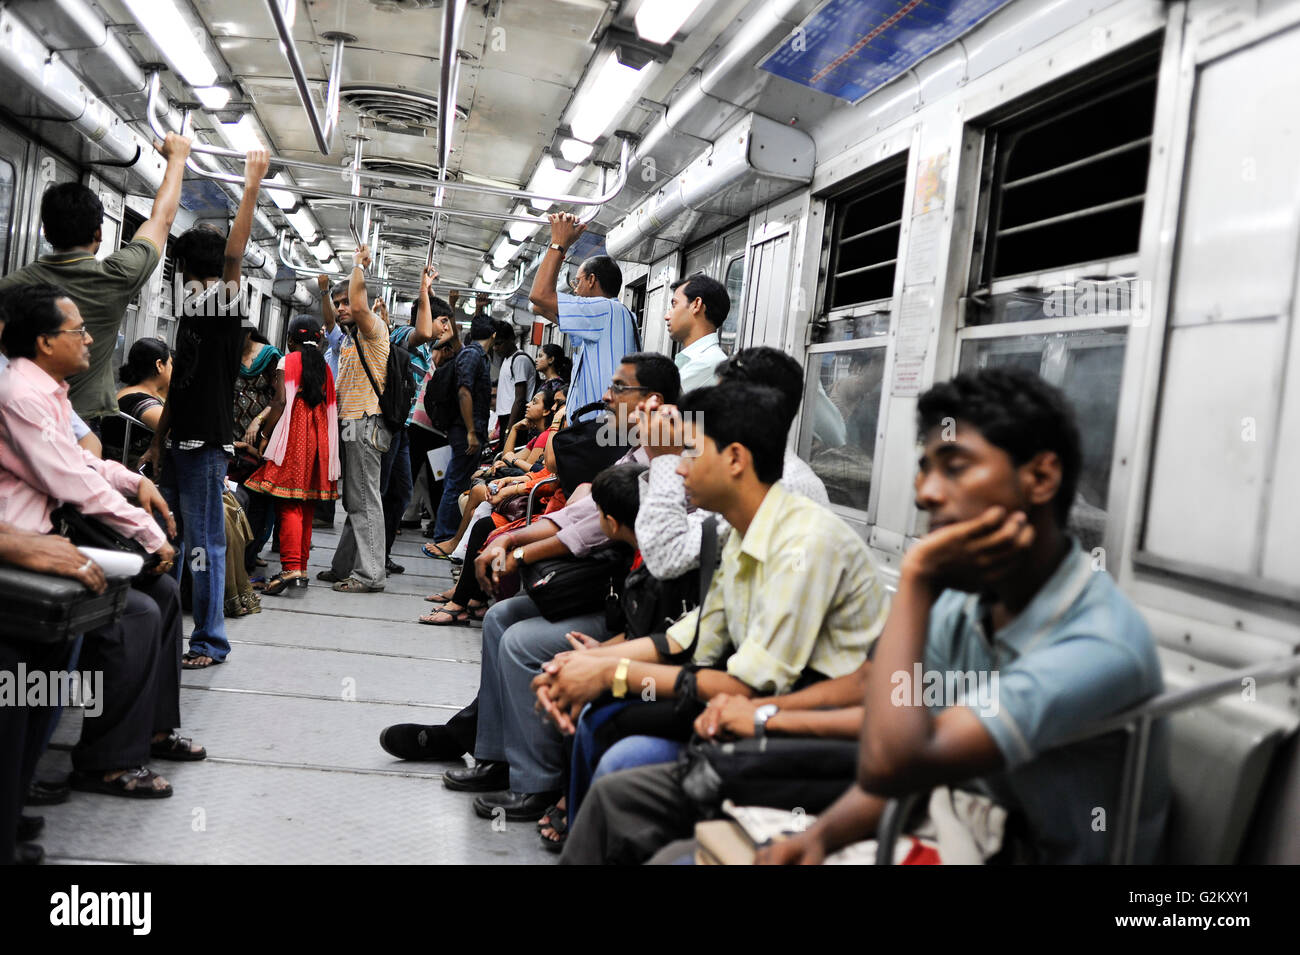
398 396
564 587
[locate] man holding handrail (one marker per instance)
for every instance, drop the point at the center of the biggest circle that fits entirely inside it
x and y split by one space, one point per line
600 325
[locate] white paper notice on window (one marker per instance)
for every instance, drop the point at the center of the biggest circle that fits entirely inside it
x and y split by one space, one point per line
913 340
923 248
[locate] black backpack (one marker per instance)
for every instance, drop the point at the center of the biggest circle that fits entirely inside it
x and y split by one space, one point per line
398 396
440 401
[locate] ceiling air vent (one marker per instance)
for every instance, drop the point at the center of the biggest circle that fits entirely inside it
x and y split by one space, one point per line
402 167
411 112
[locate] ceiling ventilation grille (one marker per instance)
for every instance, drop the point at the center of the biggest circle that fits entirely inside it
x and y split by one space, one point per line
401 111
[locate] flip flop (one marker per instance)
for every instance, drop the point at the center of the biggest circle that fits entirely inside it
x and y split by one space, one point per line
455 618
187 661
437 553
440 598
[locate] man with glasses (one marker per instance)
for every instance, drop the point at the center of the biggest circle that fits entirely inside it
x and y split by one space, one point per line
599 324
513 747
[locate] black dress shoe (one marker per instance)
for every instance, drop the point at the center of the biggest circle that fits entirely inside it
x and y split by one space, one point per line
393 567
518 807
29 827
28 853
414 741
482 777
43 793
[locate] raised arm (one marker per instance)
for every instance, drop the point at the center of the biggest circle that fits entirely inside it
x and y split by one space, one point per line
175 149
326 302
423 330
565 230
358 304
256 164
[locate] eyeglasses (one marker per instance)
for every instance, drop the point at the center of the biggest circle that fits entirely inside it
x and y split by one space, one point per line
618 389
81 330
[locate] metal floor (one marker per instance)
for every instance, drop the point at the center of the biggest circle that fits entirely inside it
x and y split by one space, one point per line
291 723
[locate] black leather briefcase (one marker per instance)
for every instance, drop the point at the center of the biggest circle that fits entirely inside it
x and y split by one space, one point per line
43 608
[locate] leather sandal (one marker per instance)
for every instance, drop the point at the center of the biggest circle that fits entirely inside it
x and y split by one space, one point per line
135 783
177 748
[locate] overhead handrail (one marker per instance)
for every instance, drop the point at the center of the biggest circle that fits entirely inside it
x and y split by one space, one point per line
522 195
324 132
284 251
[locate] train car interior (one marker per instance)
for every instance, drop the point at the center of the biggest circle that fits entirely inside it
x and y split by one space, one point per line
1066 217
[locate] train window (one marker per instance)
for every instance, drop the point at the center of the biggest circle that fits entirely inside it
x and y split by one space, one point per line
865 228
7 192
841 415
1052 200
1087 367
734 280
1221 502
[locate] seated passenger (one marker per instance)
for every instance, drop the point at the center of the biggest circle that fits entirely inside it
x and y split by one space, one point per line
41 467
571 530
998 587
146 377
668 530
795 597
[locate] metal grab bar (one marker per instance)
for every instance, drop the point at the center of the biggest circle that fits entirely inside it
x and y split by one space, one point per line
532 496
324 133
1137 721
625 158
284 252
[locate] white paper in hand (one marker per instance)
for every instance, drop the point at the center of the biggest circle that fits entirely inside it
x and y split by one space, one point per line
114 563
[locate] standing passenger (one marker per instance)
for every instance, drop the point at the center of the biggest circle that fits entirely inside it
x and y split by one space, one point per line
468 431
600 325
697 310
198 421
302 459
71 216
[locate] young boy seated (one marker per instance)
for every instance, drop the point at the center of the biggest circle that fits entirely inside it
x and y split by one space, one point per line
998 589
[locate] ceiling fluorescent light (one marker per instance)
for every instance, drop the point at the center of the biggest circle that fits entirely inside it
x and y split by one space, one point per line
550 179
575 150
242 135
521 231
213 97
285 200
490 274
603 98
504 252
659 20
177 42
290 10
322 251
303 222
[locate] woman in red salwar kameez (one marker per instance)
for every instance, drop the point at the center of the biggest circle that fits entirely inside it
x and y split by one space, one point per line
302 455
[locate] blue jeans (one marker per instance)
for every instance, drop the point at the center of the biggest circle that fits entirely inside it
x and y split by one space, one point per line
195 496
459 472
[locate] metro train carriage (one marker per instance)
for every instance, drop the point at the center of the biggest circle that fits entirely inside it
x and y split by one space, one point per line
1022 274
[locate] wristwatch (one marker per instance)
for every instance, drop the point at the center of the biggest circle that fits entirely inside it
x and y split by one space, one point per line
518 555
761 716
619 686
558 248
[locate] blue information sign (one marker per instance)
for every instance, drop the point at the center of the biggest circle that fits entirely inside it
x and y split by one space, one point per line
848 48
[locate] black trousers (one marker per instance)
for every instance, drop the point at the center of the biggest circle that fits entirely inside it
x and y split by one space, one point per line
139 656
422 442
467 587
628 816
22 732
463 727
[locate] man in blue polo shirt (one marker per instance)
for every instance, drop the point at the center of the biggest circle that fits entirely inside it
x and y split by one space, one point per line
600 325
997 589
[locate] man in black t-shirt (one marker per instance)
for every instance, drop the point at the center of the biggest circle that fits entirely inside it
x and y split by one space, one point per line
195 437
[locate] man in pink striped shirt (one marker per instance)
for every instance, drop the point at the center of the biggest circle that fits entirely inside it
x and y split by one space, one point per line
40 467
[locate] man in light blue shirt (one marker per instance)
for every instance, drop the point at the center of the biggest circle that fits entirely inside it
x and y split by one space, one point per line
696 311
601 327
1003 640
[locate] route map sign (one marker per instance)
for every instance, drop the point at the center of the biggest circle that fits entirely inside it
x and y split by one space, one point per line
849 48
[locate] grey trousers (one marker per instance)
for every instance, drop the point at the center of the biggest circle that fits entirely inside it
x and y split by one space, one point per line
629 816
360 551
517 640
